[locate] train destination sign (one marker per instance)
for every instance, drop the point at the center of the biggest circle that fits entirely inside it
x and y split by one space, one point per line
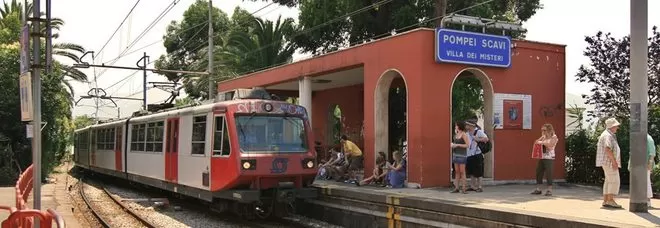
454 46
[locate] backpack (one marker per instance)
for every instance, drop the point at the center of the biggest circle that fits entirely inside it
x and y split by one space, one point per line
485 147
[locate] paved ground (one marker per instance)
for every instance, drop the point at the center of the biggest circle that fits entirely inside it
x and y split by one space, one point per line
569 202
53 195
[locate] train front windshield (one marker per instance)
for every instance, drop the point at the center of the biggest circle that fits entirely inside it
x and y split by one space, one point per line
271 134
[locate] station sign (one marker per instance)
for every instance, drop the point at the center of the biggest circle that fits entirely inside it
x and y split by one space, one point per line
25 89
25 49
453 46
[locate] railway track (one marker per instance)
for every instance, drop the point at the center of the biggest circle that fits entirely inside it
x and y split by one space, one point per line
110 212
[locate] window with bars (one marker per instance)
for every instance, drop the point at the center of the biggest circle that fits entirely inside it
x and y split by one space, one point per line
198 135
147 137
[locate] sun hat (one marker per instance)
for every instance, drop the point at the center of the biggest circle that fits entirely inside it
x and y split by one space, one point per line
611 122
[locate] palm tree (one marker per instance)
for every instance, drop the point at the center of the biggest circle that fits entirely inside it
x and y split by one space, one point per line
68 50
265 44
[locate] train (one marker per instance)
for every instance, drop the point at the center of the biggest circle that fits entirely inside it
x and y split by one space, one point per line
244 152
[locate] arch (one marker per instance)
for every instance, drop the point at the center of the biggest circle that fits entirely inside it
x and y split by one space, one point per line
381 110
487 87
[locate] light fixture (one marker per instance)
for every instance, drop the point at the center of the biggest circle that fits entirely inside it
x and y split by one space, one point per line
246 165
310 164
268 107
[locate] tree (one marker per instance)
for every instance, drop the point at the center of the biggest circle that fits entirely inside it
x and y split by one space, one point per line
83 121
241 44
56 97
387 18
609 72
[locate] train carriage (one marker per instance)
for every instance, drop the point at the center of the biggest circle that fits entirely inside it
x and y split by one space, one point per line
237 154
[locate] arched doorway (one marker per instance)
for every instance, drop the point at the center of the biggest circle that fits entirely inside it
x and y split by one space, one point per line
391 107
474 84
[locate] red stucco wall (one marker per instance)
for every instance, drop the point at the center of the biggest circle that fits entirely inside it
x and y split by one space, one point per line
537 69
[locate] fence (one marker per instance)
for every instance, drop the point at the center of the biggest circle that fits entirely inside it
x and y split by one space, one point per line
23 217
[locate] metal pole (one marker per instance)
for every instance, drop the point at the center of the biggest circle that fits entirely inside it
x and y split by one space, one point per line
211 93
49 40
638 104
36 94
144 86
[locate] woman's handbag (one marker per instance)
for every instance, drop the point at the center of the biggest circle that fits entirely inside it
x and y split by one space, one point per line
537 151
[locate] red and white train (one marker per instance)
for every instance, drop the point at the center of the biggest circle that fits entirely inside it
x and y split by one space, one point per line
249 155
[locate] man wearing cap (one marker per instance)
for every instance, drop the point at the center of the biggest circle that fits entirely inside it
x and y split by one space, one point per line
608 156
475 160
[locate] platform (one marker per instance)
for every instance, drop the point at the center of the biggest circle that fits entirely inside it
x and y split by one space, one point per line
53 195
508 205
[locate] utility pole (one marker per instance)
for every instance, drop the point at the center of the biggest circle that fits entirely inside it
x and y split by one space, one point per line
211 93
638 104
36 93
144 85
440 12
49 40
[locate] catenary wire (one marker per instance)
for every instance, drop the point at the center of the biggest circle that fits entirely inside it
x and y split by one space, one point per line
118 27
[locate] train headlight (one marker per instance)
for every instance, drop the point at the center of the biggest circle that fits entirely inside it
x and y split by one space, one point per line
308 163
250 164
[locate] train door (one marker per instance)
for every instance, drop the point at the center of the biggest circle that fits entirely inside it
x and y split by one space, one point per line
93 148
118 147
221 165
172 150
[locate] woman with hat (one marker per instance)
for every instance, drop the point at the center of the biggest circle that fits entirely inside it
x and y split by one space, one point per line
608 156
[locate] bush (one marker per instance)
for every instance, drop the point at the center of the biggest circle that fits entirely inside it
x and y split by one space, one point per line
581 158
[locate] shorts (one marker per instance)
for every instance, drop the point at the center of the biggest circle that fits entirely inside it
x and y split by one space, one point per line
475 166
457 159
355 162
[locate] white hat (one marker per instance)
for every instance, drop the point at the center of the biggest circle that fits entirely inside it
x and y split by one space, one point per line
611 122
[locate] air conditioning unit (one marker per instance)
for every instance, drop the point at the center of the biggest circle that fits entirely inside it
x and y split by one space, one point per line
240 94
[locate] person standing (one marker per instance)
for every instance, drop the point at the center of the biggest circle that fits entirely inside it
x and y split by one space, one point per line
459 147
354 155
475 159
608 156
650 163
548 140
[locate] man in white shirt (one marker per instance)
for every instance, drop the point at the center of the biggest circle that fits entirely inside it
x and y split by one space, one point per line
475 160
608 156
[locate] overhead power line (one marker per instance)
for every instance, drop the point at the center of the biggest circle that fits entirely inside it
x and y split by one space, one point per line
118 27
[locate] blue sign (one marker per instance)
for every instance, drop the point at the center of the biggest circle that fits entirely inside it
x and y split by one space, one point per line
454 46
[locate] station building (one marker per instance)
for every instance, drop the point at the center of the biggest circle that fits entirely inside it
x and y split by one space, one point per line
523 87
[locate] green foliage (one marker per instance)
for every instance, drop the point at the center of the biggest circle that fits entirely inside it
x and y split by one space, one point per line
467 97
83 121
394 16
609 71
56 100
581 158
655 179
242 44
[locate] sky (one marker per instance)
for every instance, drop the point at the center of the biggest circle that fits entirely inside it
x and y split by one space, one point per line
91 22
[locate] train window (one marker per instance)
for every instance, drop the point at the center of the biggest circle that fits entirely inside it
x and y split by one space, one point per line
221 145
154 141
198 135
226 146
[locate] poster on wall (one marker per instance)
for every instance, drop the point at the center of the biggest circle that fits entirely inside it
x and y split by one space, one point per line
512 111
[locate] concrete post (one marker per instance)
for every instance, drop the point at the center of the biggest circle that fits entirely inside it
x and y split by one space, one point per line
305 95
638 103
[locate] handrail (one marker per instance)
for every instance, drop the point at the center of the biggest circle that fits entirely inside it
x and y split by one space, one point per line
23 218
58 219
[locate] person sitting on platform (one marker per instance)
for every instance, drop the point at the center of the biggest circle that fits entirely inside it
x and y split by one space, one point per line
336 169
396 174
378 173
354 155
